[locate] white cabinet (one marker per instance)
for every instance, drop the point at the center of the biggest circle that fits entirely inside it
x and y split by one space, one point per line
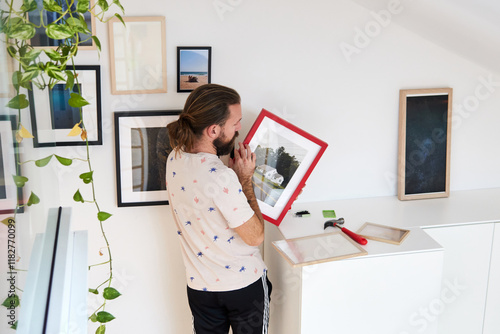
467 251
390 291
491 318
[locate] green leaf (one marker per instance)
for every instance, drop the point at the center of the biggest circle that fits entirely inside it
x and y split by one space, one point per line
104 317
120 18
70 80
43 162
30 56
11 300
55 73
59 31
34 199
14 326
101 329
12 51
110 293
102 216
97 42
77 101
83 6
52 6
77 23
29 5
95 292
18 102
103 4
117 2
22 31
52 54
29 75
86 177
77 197
63 161
20 180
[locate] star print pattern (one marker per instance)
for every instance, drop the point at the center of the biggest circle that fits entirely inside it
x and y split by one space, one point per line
208 203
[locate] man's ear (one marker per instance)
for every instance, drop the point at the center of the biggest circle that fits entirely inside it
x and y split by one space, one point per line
213 131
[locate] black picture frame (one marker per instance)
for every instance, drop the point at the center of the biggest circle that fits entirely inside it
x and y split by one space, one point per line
141 149
193 63
51 124
424 143
10 194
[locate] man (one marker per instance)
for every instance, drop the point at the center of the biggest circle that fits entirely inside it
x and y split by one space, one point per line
217 216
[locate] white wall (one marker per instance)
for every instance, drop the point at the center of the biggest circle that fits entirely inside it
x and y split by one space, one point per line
284 56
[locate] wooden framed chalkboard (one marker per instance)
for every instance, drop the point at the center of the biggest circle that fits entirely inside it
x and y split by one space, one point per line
424 143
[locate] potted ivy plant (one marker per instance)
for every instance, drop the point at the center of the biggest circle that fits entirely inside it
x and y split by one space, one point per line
44 68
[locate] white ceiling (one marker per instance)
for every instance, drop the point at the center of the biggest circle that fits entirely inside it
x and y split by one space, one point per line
470 29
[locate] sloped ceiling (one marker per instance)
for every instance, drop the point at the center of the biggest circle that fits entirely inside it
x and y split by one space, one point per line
470 29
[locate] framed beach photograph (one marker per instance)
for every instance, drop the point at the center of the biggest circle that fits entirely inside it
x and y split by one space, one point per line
52 118
194 67
10 194
138 55
318 249
42 40
424 143
142 147
286 156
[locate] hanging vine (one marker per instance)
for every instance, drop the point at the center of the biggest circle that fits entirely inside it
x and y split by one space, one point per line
67 28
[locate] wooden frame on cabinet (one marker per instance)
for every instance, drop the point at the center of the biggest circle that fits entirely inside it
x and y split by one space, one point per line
424 143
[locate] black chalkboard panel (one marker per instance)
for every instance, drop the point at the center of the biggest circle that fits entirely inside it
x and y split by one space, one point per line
424 143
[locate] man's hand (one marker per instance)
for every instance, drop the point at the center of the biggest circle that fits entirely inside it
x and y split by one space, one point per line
252 231
243 163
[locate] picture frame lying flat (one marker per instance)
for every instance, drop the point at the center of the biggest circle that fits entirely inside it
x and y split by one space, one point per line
142 147
286 156
318 249
392 235
138 55
52 118
424 143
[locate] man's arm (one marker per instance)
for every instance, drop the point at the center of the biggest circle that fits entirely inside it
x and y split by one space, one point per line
252 231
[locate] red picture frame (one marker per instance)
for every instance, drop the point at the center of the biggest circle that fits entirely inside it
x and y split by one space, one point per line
286 156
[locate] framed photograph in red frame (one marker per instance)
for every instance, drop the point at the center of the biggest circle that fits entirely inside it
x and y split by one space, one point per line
286 156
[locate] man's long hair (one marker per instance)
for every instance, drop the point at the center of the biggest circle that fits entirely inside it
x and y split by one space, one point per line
205 106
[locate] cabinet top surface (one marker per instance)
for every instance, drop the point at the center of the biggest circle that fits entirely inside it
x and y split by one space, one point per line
462 207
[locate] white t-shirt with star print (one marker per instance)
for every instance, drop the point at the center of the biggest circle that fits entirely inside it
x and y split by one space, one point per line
207 203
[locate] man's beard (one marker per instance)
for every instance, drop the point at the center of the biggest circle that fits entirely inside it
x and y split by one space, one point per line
222 147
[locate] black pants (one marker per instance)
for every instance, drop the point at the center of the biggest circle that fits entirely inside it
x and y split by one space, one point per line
245 310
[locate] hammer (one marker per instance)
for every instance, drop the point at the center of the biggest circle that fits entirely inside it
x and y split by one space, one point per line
338 223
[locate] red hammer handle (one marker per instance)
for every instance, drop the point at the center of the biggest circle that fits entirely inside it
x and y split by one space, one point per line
359 239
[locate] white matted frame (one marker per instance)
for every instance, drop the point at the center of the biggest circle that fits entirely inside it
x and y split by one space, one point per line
318 248
424 143
286 156
52 121
392 235
142 147
138 55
